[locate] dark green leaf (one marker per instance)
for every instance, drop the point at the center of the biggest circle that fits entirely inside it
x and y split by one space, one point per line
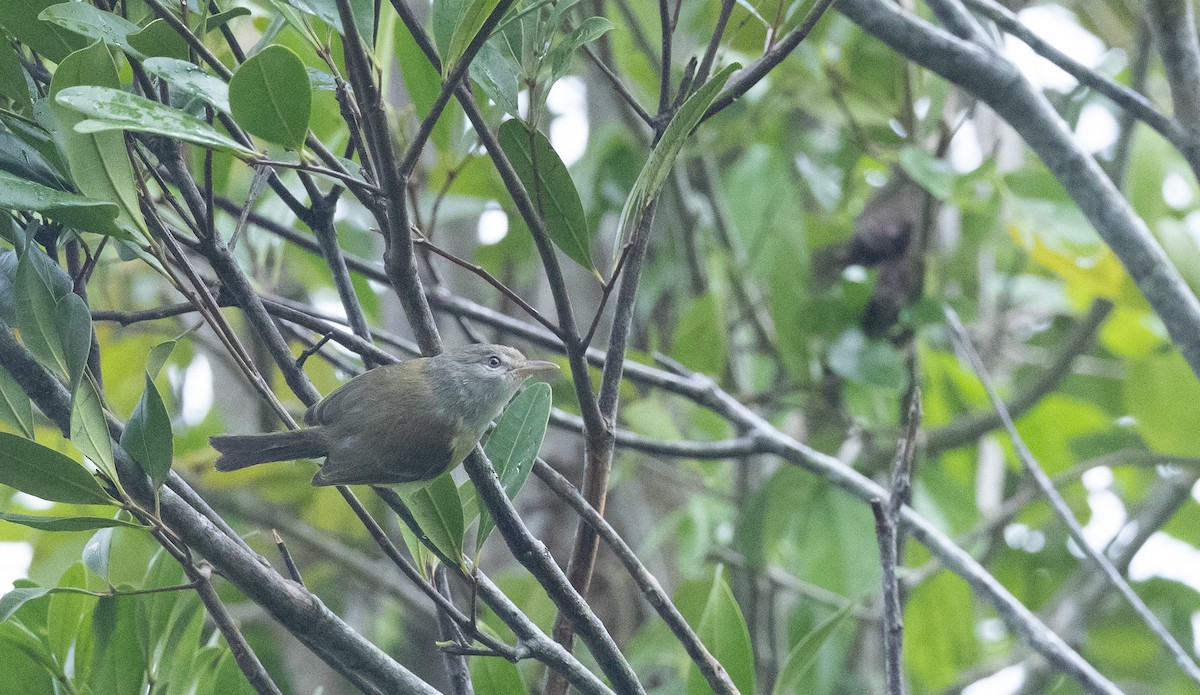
65 523
118 664
70 209
804 654
55 323
498 77
438 511
45 473
662 158
112 109
514 444
99 162
13 83
492 676
20 18
147 436
445 16
423 83
591 29
550 186
89 428
159 354
217 20
470 22
270 96
68 617
15 407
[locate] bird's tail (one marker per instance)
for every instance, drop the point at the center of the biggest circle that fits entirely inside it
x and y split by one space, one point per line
242 450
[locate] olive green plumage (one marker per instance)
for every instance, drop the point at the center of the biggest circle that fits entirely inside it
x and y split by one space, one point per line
398 423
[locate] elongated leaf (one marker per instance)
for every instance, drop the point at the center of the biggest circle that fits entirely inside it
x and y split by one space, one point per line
89 429
191 79
54 321
94 23
15 407
12 75
65 523
438 510
271 96
20 18
69 620
934 175
498 76
215 21
118 663
36 470
492 676
470 22
158 357
514 444
99 162
549 184
422 82
112 109
723 630
12 601
591 29
658 166
73 210
802 657
147 435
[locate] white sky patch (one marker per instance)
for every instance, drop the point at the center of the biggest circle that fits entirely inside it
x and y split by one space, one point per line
326 301
567 100
197 390
15 558
965 151
1006 680
30 502
1177 192
1058 26
1096 130
493 224
1167 557
1108 516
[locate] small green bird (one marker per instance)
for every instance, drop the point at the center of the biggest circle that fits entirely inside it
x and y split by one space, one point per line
398 423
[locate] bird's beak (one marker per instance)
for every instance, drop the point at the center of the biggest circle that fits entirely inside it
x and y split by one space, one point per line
532 367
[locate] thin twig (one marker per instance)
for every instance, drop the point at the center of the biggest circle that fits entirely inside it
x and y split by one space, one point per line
1182 658
893 621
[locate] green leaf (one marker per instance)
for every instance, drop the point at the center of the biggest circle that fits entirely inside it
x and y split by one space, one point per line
42 472
591 29
159 40
118 663
97 552
112 109
15 407
438 511
13 83
96 24
933 174
549 184
423 84
270 96
804 655
68 618
217 20
89 428
723 630
363 12
469 23
13 600
940 639
65 523
147 436
191 79
1156 387
514 444
159 354
492 676
498 77
700 338
73 210
444 17
860 359
20 18
656 169
99 162
54 321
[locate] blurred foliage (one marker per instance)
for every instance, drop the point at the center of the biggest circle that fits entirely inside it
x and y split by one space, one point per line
746 280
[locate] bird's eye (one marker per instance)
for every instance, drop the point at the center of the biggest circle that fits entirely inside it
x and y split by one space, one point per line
493 362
